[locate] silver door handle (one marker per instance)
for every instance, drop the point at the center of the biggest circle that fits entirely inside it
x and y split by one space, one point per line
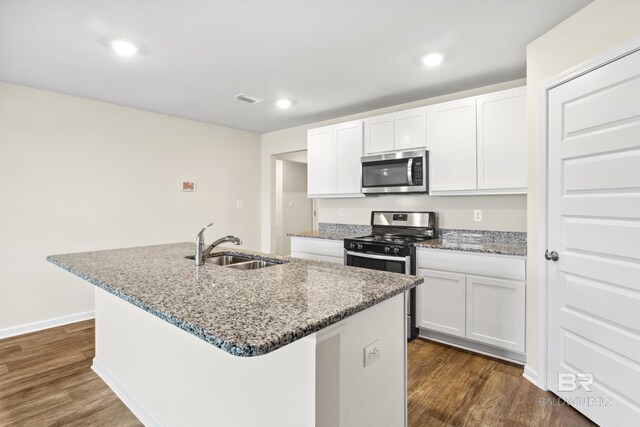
551 256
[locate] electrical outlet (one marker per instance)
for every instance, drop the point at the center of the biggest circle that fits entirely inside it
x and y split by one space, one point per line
290 203
343 212
477 215
371 353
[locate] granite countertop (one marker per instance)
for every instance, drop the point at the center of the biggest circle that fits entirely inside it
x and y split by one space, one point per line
245 313
501 248
329 235
481 241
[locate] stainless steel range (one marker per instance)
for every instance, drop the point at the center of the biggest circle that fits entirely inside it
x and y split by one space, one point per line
391 247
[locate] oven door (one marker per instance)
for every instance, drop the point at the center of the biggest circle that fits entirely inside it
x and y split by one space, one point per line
393 264
388 263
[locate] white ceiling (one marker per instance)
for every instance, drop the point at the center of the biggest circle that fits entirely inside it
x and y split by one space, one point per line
331 57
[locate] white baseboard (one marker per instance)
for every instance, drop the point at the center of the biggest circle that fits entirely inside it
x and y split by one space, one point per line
487 350
45 324
143 416
531 375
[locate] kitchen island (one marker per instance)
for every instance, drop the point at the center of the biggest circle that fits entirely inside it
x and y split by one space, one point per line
298 343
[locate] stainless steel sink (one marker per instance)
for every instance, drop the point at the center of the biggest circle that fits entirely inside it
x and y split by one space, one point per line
223 259
252 265
226 259
237 262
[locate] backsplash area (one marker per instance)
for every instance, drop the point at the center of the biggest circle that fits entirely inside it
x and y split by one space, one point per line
482 236
446 234
499 213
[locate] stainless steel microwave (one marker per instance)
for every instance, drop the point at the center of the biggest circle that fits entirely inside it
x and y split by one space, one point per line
399 172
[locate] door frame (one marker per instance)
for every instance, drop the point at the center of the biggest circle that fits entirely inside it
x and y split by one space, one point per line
598 61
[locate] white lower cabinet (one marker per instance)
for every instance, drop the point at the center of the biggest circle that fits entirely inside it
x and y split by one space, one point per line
495 312
441 302
318 249
479 298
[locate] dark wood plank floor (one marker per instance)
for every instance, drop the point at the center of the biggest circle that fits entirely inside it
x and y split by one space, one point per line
46 380
452 387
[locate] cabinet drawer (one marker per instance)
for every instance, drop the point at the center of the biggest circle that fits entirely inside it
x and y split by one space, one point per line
501 266
324 247
314 257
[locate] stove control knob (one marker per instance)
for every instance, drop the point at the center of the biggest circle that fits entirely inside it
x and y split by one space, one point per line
387 249
359 246
352 246
396 250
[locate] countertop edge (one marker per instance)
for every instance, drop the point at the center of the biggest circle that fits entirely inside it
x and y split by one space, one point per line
233 349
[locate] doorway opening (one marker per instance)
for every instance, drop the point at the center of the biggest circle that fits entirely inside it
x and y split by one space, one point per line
294 211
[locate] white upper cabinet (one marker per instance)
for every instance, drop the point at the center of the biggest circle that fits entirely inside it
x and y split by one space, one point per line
478 145
334 154
452 143
410 129
404 130
321 152
502 140
348 137
378 134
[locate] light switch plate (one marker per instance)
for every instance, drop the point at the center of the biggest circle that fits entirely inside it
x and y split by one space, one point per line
371 353
239 204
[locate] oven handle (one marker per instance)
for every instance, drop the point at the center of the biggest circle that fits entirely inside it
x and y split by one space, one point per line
407 259
410 171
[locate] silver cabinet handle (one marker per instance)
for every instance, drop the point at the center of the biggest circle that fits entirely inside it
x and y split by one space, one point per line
551 256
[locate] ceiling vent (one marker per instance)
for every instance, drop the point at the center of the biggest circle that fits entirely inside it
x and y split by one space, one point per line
245 97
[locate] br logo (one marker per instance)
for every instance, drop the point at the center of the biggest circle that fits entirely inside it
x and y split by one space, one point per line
572 382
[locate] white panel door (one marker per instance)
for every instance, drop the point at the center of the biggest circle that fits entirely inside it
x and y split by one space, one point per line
495 312
378 134
452 142
441 302
502 140
411 129
321 152
348 140
594 226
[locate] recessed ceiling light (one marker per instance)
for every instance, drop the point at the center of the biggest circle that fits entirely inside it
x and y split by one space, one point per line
124 48
283 103
432 59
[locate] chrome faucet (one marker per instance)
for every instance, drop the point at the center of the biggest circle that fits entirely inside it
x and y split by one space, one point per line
202 253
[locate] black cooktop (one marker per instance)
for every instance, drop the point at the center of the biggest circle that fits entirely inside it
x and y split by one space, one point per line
390 238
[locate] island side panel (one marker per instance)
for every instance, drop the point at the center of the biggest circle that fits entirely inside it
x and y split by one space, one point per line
375 395
169 377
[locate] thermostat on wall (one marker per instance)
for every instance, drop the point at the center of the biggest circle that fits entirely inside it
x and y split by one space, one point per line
188 186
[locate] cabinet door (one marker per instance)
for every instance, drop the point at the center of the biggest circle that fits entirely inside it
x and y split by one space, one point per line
495 312
321 161
378 134
452 142
348 140
441 302
502 140
411 129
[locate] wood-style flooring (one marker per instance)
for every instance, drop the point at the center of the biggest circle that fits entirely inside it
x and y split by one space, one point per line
46 380
452 387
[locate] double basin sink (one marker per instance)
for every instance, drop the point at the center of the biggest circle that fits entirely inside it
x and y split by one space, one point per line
237 262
